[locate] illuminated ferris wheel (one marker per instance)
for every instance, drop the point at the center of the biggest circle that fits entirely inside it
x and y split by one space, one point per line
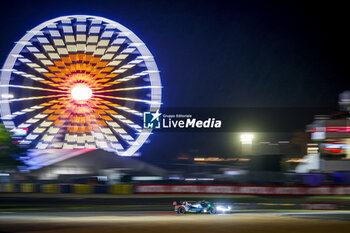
80 82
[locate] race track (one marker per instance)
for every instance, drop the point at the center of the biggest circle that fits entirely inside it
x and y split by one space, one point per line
160 222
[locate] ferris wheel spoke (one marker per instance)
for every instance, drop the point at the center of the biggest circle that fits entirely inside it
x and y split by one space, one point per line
126 122
41 57
129 89
28 110
132 77
112 54
120 68
37 132
123 108
121 118
129 99
32 77
30 98
116 125
33 88
33 65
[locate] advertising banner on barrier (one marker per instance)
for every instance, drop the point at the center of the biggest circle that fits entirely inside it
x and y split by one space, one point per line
240 189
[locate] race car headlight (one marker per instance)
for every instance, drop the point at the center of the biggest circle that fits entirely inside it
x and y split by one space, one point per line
223 208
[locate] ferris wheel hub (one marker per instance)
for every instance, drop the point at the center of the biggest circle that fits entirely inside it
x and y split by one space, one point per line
80 92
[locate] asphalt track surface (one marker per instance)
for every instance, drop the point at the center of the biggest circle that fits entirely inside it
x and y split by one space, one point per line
154 213
39 202
163 222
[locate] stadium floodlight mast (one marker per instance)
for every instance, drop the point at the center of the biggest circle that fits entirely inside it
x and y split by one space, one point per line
77 82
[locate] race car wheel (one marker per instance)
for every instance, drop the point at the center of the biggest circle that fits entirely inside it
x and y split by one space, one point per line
212 211
181 210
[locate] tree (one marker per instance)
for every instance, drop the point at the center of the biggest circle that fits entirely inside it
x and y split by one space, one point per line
9 151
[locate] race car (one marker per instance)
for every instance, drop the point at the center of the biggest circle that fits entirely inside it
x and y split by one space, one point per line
204 207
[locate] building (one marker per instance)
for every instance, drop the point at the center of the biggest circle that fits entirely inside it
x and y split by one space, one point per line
330 150
73 164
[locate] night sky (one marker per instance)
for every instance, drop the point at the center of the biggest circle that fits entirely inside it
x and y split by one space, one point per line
219 54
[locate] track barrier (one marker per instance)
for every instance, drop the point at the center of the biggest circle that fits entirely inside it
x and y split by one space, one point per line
241 189
120 189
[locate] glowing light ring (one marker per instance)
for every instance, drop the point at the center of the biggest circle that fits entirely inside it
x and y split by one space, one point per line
111 61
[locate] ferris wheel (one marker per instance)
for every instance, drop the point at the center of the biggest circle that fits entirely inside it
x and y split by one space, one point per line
77 82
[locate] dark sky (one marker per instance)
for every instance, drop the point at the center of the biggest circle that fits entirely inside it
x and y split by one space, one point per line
220 53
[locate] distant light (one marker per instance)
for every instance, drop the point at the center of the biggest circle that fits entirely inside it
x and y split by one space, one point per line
200 179
140 178
80 92
20 132
190 179
210 159
7 96
205 179
102 178
297 160
247 138
231 173
244 159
